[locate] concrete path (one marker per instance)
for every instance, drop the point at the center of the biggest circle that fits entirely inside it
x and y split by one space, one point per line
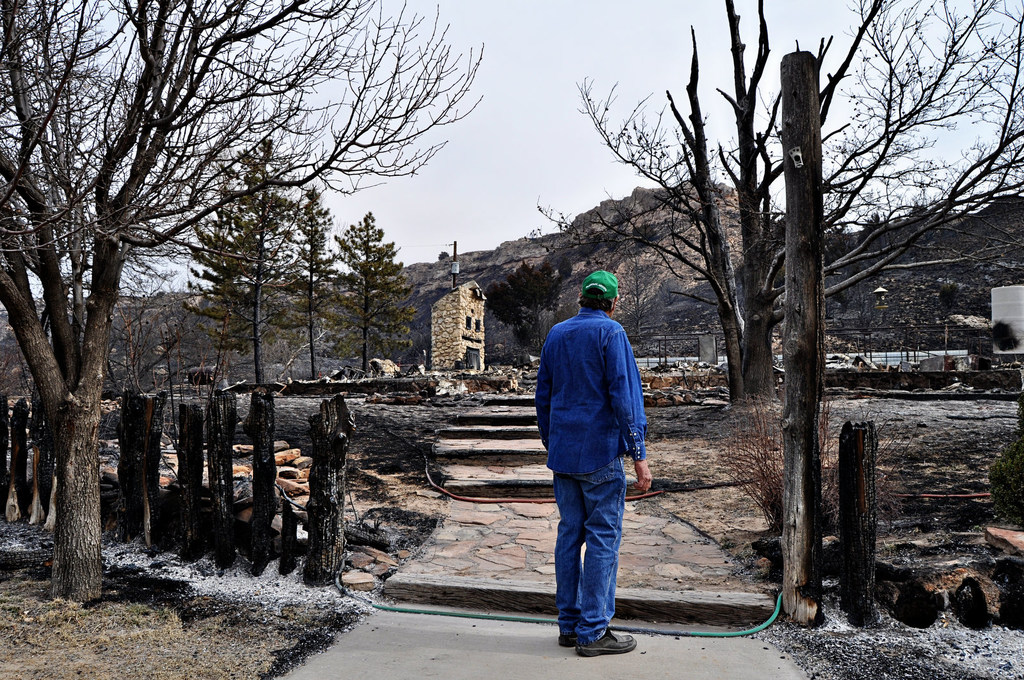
394 646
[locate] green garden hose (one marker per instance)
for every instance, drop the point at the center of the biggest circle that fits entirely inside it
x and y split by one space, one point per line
530 619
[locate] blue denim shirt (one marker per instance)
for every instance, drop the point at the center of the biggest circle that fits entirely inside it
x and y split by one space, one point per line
590 405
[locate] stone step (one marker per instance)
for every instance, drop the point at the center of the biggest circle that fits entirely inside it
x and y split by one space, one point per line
698 608
498 415
532 480
504 452
490 432
517 400
499 488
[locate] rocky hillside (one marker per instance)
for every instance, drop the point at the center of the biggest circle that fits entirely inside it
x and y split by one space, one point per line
934 296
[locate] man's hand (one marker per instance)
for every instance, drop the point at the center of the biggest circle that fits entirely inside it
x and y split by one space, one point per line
643 475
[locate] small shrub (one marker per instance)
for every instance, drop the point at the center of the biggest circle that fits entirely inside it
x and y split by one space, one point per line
759 458
1007 475
948 293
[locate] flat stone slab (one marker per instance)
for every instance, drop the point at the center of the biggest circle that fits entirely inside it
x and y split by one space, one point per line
1007 540
498 415
489 432
730 609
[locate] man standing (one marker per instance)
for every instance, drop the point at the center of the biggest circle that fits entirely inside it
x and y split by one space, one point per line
590 411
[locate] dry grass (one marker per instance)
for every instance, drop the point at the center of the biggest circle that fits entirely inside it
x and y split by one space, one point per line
56 639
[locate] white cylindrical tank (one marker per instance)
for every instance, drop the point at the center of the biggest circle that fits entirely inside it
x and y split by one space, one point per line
1008 320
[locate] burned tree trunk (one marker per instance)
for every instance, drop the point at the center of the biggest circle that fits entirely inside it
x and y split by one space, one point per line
289 540
803 340
138 468
330 431
259 425
858 445
190 478
221 419
44 462
19 494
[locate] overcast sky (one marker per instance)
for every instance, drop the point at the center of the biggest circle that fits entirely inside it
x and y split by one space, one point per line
527 144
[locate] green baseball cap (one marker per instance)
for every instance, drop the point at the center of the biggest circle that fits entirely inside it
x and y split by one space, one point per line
601 285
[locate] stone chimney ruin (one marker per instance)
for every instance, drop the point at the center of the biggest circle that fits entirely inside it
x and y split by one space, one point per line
457 329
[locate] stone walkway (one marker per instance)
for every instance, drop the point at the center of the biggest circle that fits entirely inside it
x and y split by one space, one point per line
517 541
501 554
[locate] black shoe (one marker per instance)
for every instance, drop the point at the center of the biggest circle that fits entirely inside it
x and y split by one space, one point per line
567 640
609 643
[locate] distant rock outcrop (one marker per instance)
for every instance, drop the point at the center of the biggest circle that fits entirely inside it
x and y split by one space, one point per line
938 295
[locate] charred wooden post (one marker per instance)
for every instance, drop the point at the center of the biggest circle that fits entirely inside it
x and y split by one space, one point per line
221 419
289 538
138 467
259 425
19 493
5 475
44 461
190 478
330 431
858 447
803 339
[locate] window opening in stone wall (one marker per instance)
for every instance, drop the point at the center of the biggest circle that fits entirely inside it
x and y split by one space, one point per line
478 325
469 323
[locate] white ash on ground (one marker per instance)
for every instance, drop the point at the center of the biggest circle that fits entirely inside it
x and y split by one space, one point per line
890 650
236 584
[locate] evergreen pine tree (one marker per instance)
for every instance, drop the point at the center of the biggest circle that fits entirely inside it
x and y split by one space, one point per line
246 264
373 290
318 271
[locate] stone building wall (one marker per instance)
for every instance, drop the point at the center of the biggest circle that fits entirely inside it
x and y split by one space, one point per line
457 328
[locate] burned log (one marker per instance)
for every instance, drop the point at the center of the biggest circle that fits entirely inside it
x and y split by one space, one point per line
259 425
190 478
858 446
138 467
330 431
221 419
44 461
19 494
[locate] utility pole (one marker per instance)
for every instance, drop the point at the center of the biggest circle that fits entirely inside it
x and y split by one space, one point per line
803 340
455 264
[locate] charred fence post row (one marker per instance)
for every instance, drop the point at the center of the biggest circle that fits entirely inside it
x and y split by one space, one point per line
43 463
136 506
138 467
19 495
25 500
858 447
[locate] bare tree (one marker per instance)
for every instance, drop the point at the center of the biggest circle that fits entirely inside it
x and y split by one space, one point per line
639 292
120 122
914 74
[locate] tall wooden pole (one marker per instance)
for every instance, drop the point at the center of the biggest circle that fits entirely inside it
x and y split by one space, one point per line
858 447
190 477
330 430
260 428
221 420
803 339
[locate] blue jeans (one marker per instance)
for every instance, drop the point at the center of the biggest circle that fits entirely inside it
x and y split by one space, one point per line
591 507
